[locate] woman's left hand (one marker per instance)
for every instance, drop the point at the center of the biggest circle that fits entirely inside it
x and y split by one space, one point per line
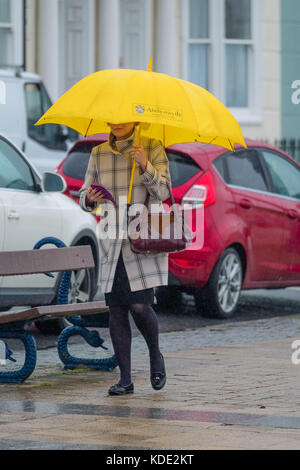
138 154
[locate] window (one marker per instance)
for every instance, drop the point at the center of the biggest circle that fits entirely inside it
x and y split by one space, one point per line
77 162
285 176
219 164
222 53
14 171
6 32
198 42
11 32
244 169
237 47
37 102
182 168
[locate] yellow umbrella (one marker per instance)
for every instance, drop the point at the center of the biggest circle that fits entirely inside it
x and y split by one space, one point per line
173 110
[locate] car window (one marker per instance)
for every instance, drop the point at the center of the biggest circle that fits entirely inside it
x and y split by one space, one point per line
243 168
37 102
77 162
219 164
14 171
285 176
182 168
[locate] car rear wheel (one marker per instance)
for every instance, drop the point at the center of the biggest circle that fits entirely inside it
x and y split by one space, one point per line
219 298
82 289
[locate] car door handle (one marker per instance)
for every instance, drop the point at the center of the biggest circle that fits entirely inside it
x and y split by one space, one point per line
292 214
13 215
245 204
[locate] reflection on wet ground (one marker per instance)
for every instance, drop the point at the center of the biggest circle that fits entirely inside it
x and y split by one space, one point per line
225 418
19 444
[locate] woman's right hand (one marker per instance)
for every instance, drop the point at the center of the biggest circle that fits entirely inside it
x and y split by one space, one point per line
93 195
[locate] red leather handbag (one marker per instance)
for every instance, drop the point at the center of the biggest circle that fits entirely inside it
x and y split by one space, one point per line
160 232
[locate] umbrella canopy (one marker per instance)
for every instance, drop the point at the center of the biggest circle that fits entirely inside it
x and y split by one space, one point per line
172 110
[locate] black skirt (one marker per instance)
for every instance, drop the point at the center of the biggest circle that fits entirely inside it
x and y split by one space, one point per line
121 294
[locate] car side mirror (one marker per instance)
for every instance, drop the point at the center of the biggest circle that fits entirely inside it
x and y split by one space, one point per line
53 182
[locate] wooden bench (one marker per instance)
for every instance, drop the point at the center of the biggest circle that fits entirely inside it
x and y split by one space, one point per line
80 315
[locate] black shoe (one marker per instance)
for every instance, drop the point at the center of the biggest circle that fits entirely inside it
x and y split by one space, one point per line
120 390
158 379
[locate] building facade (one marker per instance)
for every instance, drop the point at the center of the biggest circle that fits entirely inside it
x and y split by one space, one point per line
290 79
243 51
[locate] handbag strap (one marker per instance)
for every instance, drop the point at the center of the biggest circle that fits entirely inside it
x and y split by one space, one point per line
146 203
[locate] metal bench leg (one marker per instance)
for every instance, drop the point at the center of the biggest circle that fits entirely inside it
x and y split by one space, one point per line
80 322
19 375
93 339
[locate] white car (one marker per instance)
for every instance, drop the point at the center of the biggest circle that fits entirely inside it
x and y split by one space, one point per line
31 208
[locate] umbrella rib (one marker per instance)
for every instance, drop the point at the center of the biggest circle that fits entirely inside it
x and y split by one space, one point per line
88 127
211 141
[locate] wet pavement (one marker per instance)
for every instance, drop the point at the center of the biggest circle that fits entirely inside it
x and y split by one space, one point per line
225 397
230 385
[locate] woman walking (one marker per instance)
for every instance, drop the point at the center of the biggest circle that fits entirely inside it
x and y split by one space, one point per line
128 279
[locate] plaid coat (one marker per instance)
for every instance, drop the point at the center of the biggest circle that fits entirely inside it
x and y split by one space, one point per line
110 165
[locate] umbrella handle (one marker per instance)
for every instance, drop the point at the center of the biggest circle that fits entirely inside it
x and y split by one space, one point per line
137 140
131 182
137 136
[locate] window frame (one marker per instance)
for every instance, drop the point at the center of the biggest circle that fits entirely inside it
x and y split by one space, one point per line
16 26
187 41
216 57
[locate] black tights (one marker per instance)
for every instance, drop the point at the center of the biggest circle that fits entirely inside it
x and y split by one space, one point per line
120 332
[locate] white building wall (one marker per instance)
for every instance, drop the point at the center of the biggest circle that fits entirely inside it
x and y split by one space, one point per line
165 37
108 34
31 43
48 45
270 127
178 43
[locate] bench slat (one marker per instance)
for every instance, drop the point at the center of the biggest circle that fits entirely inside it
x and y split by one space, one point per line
40 261
61 310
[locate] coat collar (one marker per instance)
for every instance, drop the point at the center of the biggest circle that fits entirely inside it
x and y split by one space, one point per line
120 146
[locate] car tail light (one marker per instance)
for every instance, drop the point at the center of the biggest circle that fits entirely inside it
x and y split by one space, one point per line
187 263
202 192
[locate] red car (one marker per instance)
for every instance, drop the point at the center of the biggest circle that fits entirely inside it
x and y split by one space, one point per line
251 219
